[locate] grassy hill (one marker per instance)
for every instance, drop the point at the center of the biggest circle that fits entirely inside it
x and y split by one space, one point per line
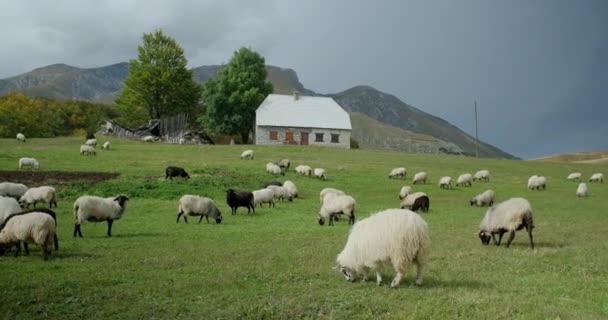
277 263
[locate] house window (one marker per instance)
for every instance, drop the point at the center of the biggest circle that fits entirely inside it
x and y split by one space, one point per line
288 136
274 135
335 138
318 137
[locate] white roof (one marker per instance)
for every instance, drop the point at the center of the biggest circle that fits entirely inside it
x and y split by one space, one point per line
309 112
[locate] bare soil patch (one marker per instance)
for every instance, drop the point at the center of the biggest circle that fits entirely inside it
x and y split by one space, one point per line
57 177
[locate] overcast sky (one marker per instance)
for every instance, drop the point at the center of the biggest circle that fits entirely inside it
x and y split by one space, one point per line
538 69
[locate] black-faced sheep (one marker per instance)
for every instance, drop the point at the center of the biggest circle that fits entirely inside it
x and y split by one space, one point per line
86 150
97 209
445 182
280 193
247 154
20 137
284 164
482 175
291 188
597 177
236 199
263 196
465 180
508 216
333 205
483 199
190 205
574 176
304 170
44 194
537 182
397 172
36 226
274 169
416 201
320 173
419 177
171 172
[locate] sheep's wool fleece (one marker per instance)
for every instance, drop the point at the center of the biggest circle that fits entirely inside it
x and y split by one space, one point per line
8 206
33 227
98 208
507 215
411 198
191 204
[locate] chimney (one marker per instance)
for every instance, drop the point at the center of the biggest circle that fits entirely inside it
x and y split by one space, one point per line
296 96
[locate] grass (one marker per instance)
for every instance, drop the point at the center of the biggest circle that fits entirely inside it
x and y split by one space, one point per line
277 263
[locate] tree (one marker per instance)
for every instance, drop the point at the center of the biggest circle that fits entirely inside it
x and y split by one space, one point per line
158 84
232 97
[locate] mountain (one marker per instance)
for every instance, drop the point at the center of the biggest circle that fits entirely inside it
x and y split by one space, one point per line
379 120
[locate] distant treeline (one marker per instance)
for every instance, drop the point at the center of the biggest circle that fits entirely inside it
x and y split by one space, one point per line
45 118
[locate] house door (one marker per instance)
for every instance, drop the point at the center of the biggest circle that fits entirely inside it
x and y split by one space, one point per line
304 138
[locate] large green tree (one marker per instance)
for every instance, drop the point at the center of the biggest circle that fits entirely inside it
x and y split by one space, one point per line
158 84
232 97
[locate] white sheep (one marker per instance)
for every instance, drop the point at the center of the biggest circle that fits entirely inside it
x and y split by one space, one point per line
247 154
182 140
273 168
87 150
91 142
394 237
597 177
106 145
280 193
482 175
263 196
20 137
191 205
304 170
575 176
148 139
405 190
14 190
445 182
419 177
581 191
397 172
97 209
320 173
29 162
415 201
29 227
291 188
485 198
464 180
8 206
44 194
334 204
326 191
537 182
508 216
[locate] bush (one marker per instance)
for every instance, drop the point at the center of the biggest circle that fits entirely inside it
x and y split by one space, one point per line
354 144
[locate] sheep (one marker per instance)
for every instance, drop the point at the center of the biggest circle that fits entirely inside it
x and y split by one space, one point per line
280 193
416 201
405 190
284 164
236 199
14 190
87 150
41 194
182 140
291 188
263 196
334 204
149 139
91 142
482 175
509 216
464 180
247 154
419 177
397 172
8 206
304 170
445 182
574 176
191 205
37 226
20 137
320 173
326 191
484 198
28 162
97 209
172 171
274 169
395 236
597 177
537 182
272 183
581 191
106 145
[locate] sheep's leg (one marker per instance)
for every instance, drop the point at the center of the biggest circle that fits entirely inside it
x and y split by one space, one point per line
419 272
26 248
77 231
351 219
252 207
511 237
206 217
397 280
271 202
493 238
500 234
17 248
378 278
331 219
56 242
529 229
179 214
110 221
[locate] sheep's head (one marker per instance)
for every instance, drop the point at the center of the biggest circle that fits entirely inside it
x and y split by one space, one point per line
219 219
185 174
121 199
349 275
485 237
473 202
321 221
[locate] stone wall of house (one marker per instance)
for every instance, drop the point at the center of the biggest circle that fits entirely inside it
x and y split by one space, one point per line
263 136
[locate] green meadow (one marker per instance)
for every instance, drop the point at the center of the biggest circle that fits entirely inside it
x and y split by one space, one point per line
278 263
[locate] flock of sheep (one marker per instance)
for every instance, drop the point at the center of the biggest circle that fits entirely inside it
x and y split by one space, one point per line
395 237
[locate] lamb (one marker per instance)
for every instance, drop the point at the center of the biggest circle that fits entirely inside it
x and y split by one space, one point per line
91 142
236 199
97 209
247 154
419 177
263 196
14 190
597 177
464 180
87 150
280 193
326 191
172 171
20 137
8 206
34 226
190 205
41 194
272 183
581 191
28 162
394 236
106 145
509 216
445 182
333 205
304 170
405 190
484 198
274 169
397 172
284 164
416 201
574 176
149 139
291 188
537 182
320 173
482 175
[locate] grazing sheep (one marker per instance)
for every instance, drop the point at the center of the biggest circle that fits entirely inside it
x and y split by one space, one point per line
247 154
537 182
149 139
419 177
91 142
484 198
405 190
574 176
44 194
320 173
392 237
464 180
13 190
236 199
291 188
182 141
508 216
36 226
333 205
304 170
8 206
482 175
106 145
20 137
397 172
190 205
280 193
581 191
416 201
597 177
263 196
28 162
327 191
97 209
87 150
284 164
445 182
274 169
172 171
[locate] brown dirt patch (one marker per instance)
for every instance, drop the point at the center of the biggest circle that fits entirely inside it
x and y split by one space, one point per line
57 177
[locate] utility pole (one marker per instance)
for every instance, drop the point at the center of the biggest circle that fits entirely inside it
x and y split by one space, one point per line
476 135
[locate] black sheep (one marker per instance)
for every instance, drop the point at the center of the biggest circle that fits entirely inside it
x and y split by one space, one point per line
236 199
272 183
171 172
421 203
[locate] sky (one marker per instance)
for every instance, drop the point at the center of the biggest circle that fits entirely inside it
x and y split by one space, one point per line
537 69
